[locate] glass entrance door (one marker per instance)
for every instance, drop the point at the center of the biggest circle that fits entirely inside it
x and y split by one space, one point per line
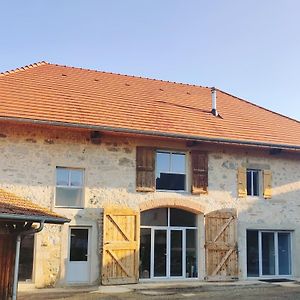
168 244
268 253
168 253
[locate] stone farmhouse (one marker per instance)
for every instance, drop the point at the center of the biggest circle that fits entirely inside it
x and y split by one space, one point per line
161 180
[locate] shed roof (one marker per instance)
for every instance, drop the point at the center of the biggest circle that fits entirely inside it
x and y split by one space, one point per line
13 207
68 96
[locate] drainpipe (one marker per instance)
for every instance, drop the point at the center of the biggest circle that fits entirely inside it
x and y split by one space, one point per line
17 258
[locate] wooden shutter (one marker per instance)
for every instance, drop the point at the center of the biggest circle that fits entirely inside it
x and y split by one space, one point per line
199 172
242 182
267 184
121 234
7 259
221 245
145 169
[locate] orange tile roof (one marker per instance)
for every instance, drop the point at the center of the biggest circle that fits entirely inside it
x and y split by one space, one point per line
71 96
13 207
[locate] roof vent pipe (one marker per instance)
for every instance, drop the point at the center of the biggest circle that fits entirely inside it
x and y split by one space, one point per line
214 101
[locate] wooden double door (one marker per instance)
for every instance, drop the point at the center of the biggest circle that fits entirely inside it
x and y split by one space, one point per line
122 235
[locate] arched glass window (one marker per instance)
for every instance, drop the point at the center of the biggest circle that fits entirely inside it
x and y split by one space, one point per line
168 217
168 244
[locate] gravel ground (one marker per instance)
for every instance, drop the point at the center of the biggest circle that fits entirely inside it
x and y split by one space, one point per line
265 292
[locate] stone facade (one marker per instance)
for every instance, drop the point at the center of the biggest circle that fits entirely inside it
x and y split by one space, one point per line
30 155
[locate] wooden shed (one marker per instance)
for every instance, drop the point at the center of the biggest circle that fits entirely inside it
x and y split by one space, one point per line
18 217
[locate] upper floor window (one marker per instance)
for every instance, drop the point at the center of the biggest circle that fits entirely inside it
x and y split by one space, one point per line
170 171
253 182
69 187
167 170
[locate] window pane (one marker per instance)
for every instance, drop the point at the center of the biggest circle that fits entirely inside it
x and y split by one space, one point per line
176 253
255 183
252 254
68 197
284 253
249 188
191 253
180 217
62 176
155 217
173 182
178 163
79 245
76 177
145 252
160 253
162 162
268 253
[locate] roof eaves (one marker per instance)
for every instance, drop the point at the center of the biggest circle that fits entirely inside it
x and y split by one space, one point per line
154 133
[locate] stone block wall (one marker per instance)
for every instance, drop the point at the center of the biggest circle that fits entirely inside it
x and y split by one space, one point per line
30 155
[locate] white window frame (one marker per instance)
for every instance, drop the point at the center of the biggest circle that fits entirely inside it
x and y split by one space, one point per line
70 187
168 228
170 167
260 267
252 182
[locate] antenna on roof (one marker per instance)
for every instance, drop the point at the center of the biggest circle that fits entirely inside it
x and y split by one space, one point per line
214 101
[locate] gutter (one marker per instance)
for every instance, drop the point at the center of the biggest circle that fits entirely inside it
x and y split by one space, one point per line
151 133
15 217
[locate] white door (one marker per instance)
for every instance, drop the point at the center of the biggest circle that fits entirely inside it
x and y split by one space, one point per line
78 269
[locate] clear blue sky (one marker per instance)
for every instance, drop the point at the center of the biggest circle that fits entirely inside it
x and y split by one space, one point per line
249 48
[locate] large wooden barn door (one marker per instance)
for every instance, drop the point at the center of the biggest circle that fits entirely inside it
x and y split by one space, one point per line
7 258
121 234
221 245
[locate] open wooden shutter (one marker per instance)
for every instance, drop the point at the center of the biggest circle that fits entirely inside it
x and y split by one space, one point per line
242 182
145 169
267 184
199 172
221 245
121 234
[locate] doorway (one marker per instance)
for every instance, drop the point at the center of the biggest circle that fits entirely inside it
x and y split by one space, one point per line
26 258
78 270
269 253
168 244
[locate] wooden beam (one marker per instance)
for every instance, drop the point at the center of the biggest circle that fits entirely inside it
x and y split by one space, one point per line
118 262
219 266
119 227
223 228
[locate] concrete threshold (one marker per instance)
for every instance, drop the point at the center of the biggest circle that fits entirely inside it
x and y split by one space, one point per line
151 288
191 284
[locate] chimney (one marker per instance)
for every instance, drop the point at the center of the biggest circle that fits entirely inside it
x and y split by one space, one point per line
214 101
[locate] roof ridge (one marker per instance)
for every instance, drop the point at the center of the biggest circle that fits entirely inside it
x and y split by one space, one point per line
33 65
259 106
132 76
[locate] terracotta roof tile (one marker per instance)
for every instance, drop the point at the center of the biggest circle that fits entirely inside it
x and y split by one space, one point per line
54 93
20 208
